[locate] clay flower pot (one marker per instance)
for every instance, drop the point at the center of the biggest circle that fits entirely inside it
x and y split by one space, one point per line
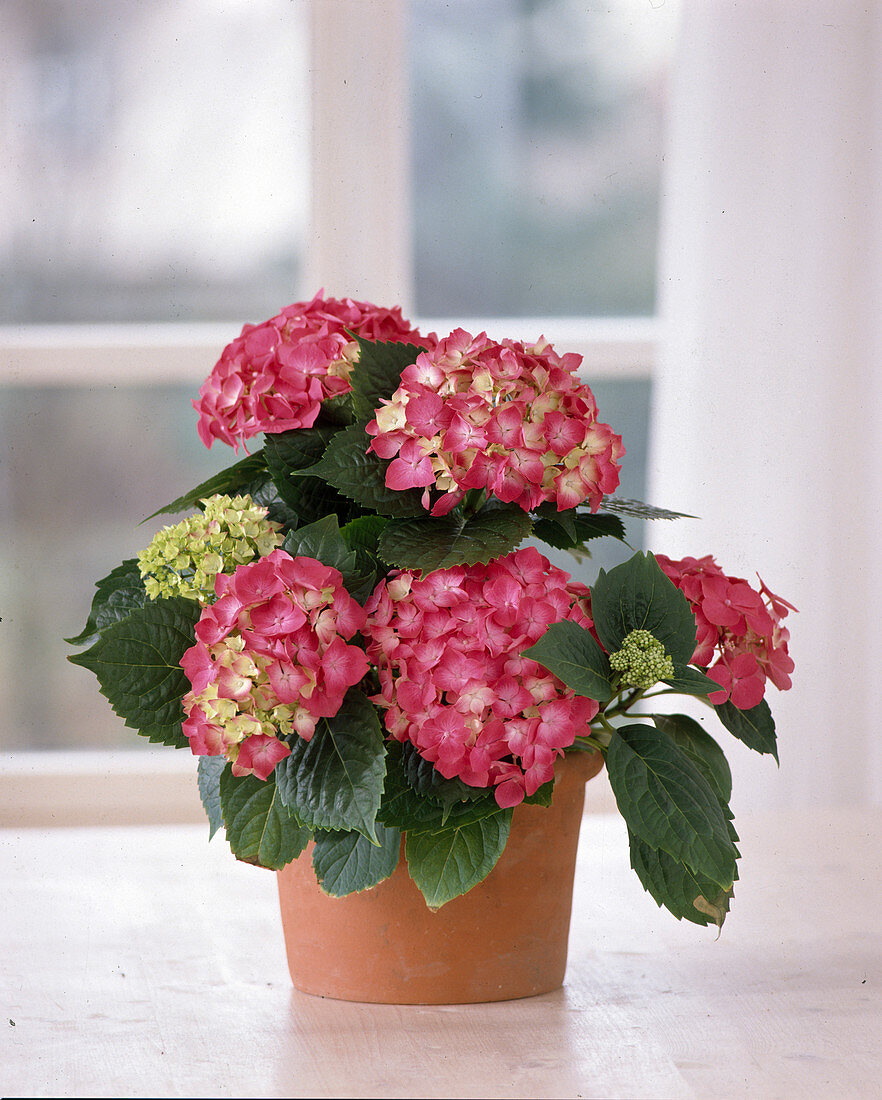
506 938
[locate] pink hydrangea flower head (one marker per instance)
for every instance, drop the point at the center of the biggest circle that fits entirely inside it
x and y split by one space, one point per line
271 659
447 647
507 418
740 638
274 376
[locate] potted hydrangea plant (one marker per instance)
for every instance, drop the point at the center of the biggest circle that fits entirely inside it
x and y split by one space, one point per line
358 634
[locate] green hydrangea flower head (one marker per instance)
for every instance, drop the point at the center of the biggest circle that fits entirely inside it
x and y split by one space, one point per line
642 660
184 560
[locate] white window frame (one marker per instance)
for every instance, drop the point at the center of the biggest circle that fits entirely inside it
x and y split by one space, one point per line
359 245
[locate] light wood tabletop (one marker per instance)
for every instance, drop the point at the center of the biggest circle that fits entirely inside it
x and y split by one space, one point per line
142 961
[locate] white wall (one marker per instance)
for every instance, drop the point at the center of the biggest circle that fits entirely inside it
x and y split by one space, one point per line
768 414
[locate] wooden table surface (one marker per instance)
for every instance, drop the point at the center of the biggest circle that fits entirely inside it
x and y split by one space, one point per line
143 961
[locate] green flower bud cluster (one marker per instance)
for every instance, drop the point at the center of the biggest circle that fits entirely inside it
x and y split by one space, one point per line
184 560
642 660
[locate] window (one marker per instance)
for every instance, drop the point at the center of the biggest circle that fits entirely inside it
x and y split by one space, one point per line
536 148
157 160
212 125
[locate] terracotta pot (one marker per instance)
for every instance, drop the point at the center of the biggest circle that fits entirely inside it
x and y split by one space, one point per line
504 939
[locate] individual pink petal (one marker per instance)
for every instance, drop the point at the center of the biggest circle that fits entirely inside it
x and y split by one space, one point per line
258 755
412 468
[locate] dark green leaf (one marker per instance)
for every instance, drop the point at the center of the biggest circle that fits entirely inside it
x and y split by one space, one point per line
361 476
321 540
565 520
570 653
636 595
137 662
425 779
640 510
118 594
691 681
405 809
755 727
377 374
208 774
259 827
543 795
599 525
346 863
231 481
297 449
335 781
289 452
363 532
673 885
449 863
666 801
570 530
336 412
440 542
263 492
702 749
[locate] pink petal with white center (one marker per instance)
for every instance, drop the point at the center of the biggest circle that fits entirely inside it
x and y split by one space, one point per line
506 425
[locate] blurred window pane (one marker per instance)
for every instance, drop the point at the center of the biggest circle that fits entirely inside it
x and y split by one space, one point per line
81 467
536 154
156 158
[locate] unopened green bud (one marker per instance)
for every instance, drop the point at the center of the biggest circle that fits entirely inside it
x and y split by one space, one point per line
642 660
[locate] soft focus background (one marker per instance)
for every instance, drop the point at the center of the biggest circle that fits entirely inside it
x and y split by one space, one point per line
687 193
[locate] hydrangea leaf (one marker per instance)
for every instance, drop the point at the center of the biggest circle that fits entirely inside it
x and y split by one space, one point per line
335 780
137 664
570 530
421 812
377 374
636 595
231 480
701 748
263 492
347 863
570 653
290 452
323 540
425 779
688 680
440 542
260 828
449 863
208 775
755 727
363 532
295 450
682 892
640 510
667 802
361 476
117 595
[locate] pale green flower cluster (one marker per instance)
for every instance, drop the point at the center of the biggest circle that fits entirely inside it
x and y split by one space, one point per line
184 560
642 660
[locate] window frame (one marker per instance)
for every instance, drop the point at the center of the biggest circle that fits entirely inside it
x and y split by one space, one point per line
359 248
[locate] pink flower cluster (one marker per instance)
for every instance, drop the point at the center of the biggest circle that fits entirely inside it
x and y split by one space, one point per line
447 647
270 660
502 417
274 376
737 625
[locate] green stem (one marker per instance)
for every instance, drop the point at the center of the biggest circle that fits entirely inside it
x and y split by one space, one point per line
474 501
